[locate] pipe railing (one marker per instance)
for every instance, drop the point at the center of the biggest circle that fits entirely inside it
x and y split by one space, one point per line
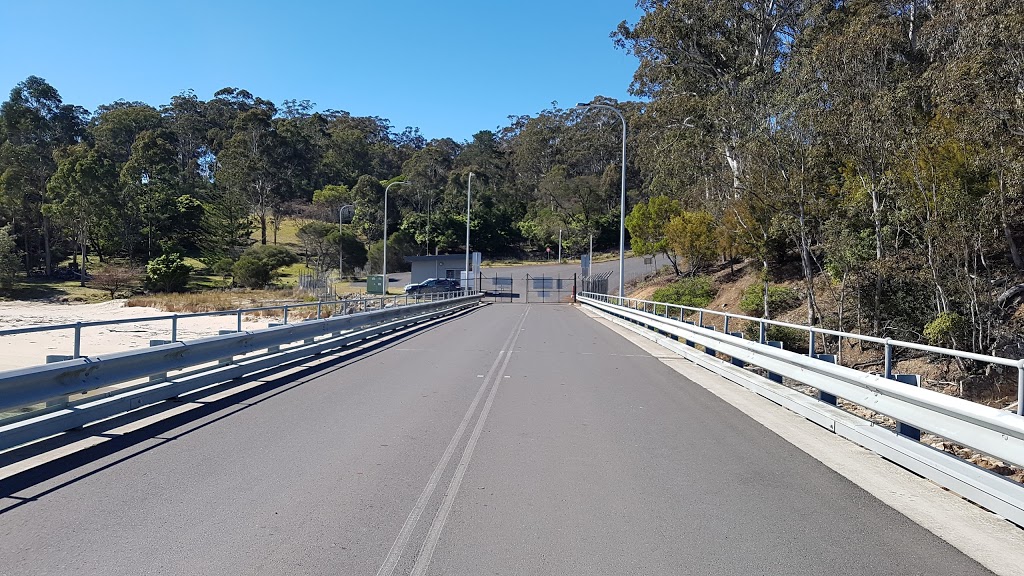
115 383
812 332
285 310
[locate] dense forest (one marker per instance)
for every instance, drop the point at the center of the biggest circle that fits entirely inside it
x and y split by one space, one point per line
872 146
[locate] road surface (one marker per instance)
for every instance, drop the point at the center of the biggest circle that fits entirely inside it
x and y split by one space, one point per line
517 439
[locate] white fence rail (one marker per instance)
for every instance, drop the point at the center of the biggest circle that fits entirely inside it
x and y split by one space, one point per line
112 380
988 430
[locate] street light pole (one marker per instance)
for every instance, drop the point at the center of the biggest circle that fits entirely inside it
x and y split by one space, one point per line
622 207
384 267
559 245
469 192
341 232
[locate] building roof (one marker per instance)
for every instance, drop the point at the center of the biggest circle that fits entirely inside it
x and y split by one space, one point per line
452 257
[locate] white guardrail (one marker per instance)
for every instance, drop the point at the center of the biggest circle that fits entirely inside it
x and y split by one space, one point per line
990 431
123 381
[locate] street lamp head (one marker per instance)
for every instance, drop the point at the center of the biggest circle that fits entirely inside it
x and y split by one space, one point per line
582 105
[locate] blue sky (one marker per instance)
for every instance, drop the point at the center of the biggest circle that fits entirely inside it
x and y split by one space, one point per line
449 67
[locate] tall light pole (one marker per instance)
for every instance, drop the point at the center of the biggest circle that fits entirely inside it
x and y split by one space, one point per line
469 192
622 208
341 232
559 245
384 268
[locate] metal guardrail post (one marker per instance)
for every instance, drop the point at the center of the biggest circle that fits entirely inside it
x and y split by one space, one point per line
888 360
700 318
174 328
726 328
707 350
319 305
810 343
736 361
901 428
777 378
762 333
60 400
162 376
1020 389
822 395
285 313
238 323
78 340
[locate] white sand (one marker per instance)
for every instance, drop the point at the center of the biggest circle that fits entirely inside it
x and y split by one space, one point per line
21 350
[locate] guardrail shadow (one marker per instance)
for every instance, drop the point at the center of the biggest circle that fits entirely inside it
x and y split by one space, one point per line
208 412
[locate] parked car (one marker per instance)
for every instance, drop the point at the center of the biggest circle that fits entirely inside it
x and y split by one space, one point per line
434 286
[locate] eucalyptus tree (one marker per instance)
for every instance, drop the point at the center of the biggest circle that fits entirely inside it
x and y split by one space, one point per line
36 124
80 191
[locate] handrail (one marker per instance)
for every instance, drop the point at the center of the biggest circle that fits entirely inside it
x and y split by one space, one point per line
989 430
812 331
238 313
208 360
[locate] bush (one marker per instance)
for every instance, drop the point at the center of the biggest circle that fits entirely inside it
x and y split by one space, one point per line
115 278
167 273
258 265
223 266
273 256
946 330
792 339
780 299
252 272
695 292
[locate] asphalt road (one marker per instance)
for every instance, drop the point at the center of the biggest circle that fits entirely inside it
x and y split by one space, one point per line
517 439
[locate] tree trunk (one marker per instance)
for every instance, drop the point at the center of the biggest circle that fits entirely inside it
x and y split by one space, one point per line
48 256
1018 262
876 212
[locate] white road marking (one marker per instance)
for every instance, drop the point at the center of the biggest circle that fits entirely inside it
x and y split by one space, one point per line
402 540
434 534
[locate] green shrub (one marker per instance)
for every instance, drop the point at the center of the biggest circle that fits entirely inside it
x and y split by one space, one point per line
780 299
223 266
273 256
258 265
167 273
946 330
252 272
792 339
696 292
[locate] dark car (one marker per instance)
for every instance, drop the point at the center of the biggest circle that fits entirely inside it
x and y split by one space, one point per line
434 286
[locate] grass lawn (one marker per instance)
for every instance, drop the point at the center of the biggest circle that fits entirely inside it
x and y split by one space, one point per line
54 290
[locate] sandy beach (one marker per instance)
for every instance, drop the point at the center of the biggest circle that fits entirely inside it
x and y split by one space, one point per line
21 350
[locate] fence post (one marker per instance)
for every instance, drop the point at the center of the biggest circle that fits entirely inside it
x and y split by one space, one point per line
78 340
1020 389
888 360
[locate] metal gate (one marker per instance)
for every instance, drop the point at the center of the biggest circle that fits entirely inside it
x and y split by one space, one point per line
550 289
498 288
